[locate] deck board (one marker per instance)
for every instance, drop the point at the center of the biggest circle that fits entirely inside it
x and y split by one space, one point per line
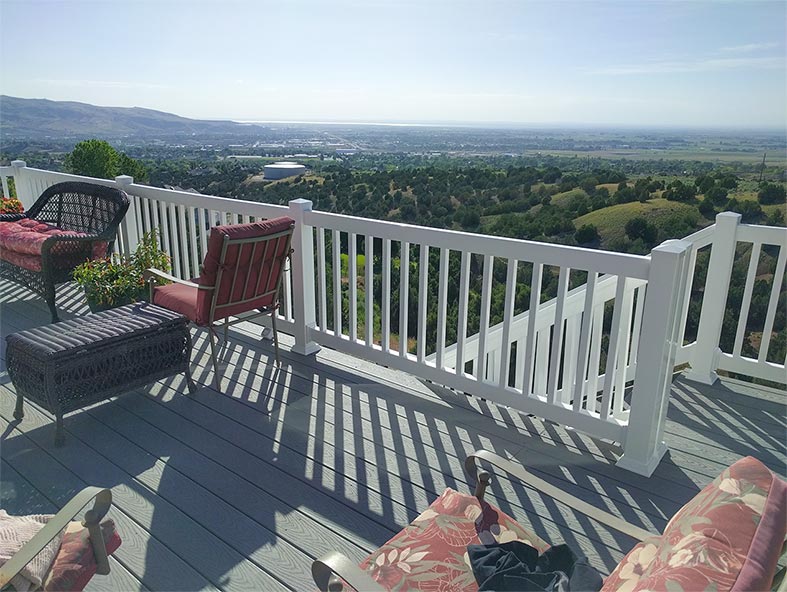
240 489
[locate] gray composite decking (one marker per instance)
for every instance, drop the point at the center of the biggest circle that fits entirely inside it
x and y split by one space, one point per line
241 489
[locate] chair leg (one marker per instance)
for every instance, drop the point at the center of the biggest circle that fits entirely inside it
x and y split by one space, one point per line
19 411
216 377
50 300
226 330
60 437
275 337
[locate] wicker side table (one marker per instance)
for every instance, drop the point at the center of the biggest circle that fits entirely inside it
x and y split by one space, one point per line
69 365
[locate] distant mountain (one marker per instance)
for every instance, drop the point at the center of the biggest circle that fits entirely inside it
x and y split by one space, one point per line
36 118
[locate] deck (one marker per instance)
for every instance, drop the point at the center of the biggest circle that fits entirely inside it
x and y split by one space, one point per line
240 490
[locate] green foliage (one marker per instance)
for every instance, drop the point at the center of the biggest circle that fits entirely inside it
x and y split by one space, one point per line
639 228
117 280
97 158
717 195
586 234
772 193
678 191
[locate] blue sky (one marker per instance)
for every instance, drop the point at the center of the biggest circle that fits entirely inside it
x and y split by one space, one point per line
699 64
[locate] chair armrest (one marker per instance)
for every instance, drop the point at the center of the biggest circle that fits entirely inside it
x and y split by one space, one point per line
554 492
326 568
92 519
12 216
152 275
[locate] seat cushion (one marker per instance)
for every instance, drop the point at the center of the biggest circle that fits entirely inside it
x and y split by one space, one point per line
179 298
75 564
27 237
431 553
728 537
31 262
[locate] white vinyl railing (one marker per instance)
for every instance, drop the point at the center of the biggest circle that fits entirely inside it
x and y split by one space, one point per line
597 355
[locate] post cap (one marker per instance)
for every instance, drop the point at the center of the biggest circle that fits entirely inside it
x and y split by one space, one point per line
124 180
18 163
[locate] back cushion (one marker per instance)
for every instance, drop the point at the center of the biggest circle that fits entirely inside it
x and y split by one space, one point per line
727 538
255 276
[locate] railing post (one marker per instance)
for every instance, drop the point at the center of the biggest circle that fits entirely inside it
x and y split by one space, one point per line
706 352
658 341
21 184
129 223
304 307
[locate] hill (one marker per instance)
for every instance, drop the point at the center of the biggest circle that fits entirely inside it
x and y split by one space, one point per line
38 118
611 221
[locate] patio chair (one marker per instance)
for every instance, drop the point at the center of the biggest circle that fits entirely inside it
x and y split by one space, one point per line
82 552
729 537
68 224
241 273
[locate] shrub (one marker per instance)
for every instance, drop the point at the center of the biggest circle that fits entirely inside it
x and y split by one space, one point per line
772 193
587 233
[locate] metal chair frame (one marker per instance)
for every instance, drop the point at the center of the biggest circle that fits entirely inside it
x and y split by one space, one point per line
151 276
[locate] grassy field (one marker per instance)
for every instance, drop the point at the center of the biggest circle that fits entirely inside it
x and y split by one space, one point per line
774 159
611 221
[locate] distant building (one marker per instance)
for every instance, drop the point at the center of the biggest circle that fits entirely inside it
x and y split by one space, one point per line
346 151
282 170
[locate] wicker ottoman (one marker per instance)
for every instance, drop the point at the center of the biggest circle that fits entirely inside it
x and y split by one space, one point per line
69 365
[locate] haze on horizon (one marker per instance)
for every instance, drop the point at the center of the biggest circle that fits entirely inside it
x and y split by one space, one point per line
649 64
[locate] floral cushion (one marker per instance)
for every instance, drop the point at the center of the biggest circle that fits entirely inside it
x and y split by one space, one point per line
31 262
75 563
727 538
431 553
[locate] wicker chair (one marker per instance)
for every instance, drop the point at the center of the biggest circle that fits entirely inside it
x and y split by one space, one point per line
241 273
70 223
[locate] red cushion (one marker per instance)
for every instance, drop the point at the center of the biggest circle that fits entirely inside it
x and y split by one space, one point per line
27 237
431 553
246 285
31 262
727 538
75 563
177 297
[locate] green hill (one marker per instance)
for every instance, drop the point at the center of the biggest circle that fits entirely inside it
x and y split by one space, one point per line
611 221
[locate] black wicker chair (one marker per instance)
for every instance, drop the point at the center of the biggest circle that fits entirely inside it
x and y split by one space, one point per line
91 212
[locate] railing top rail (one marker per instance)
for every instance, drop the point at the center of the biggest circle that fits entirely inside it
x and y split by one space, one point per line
701 238
769 235
634 266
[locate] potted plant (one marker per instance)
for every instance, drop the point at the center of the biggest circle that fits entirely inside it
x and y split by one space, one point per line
10 205
117 280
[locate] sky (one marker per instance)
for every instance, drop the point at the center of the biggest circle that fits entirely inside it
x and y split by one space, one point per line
624 62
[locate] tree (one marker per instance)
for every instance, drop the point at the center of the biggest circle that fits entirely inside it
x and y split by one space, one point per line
772 193
97 158
587 233
640 228
704 183
717 195
93 158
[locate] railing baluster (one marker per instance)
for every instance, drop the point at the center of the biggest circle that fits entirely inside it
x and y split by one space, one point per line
639 308
286 293
557 334
584 339
6 192
461 334
508 315
203 237
542 363
528 352
173 239
685 310
486 293
595 357
337 283
321 282
192 226
182 232
570 358
386 304
614 344
423 271
404 296
778 279
624 339
144 204
352 281
442 308
743 317
369 289
164 225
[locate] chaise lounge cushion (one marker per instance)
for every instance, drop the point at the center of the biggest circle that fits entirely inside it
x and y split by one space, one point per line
431 553
728 537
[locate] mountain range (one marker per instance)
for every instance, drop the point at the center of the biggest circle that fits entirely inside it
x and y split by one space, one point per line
38 118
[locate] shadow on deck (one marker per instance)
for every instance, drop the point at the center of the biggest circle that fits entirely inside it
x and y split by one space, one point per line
241 489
